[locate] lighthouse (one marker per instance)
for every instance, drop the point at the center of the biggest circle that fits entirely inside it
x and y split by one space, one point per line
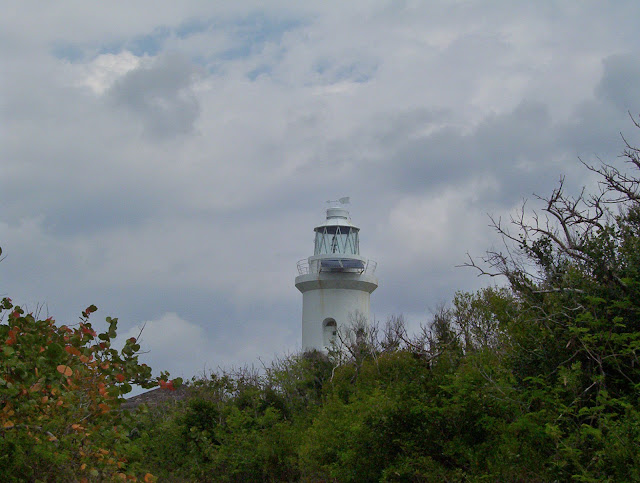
336 281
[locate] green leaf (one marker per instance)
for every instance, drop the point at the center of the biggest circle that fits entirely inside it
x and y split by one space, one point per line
113 325
54 351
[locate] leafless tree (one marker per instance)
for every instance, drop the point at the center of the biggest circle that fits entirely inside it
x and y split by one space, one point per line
567 224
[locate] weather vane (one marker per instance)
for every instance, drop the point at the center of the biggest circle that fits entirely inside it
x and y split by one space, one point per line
342 201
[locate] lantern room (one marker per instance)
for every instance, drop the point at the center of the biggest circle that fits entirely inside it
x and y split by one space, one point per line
337 235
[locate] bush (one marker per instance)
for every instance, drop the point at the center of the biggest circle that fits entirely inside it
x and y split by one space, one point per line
60 392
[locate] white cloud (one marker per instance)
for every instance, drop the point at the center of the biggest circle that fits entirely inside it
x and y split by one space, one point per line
437 228
173 344
105 69
183 348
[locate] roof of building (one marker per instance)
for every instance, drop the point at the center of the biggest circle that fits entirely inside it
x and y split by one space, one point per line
157 396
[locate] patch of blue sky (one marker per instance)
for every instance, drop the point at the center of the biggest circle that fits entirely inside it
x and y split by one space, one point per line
333 72
241 51
248 34
256 28
322 66
356 72
140 45
67 51
113 47
259 28
149 44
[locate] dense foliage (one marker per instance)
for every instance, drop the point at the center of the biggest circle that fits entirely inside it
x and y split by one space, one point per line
537 380
60 392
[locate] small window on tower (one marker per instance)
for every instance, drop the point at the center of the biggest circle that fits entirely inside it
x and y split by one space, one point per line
329 332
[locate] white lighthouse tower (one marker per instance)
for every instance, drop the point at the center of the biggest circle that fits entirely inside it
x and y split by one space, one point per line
336 282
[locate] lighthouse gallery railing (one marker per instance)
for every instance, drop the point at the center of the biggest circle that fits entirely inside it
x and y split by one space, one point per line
304 268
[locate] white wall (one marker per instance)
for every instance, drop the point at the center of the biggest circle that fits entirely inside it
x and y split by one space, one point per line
338 304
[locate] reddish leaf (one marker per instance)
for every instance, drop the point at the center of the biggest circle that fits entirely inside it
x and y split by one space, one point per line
72 350
87 330
12 337
65 370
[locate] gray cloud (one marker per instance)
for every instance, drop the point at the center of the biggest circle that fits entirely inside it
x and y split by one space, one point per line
160 95
619 84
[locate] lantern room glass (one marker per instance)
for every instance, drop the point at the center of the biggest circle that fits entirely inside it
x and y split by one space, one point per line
339 240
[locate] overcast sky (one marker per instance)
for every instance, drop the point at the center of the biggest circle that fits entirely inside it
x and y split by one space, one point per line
167 161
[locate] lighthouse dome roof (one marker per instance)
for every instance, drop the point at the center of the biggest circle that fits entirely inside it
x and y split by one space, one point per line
337 216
